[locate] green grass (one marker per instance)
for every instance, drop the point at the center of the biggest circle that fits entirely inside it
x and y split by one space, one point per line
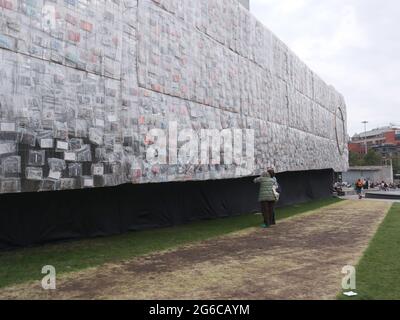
378 272
26 264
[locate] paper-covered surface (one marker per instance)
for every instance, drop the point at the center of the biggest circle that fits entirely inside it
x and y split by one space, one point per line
82 83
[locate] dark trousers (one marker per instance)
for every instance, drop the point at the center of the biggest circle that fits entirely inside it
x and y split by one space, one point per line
268 212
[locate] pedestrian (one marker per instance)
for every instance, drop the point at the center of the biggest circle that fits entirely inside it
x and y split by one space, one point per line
277 192
359 187
268 196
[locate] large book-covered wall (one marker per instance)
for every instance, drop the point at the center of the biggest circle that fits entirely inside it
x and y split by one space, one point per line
83 82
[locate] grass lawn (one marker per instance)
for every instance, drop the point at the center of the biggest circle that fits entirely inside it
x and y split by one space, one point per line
26 264
378 272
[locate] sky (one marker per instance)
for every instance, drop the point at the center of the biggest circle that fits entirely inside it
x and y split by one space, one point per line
353 45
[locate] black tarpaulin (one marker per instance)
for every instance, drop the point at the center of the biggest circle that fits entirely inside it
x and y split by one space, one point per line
28 219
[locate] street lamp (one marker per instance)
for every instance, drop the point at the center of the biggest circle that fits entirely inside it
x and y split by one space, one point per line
365 136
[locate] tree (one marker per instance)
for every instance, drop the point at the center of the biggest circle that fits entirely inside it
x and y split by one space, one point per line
355 159
372 158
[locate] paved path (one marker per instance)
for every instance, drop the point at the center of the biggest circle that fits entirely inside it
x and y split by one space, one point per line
370 199
300 258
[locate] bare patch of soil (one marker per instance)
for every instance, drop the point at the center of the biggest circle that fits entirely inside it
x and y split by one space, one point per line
300 258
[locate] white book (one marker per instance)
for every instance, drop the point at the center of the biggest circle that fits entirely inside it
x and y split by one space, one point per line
62 145
69 156
56 175
46 143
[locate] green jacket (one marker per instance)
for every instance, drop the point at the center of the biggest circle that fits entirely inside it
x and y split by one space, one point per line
266 189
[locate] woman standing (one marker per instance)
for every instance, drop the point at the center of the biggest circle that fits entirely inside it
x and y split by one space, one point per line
267 196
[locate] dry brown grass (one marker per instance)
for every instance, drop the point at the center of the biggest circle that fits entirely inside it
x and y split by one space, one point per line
300 258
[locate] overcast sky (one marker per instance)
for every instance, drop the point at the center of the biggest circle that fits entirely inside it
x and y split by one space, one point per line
353 45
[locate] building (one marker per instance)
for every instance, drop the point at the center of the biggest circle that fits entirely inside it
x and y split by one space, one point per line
245 3
92 96
374 174
385 140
